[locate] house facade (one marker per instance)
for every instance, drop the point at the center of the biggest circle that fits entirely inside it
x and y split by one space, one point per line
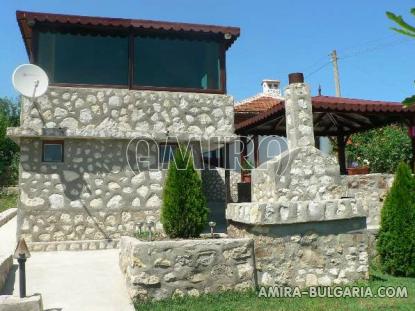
122 95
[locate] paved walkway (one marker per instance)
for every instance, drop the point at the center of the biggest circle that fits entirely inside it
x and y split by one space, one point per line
69 281
8 237
75 281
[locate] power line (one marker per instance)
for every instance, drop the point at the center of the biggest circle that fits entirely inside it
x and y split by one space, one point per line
318 69
377 47
358 52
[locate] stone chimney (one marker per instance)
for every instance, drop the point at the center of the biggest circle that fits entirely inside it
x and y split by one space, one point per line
271 87
298 113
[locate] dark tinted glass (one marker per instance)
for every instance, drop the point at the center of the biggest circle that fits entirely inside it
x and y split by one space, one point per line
73 58
52 152
166 153
163 62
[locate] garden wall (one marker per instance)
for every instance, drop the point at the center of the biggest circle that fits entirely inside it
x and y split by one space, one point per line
371 191
163 269
308 254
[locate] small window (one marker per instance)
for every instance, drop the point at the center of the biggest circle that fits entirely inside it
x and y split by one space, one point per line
52 151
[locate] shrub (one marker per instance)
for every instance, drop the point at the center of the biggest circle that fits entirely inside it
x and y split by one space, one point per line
184 212
396 239
9 151
384 148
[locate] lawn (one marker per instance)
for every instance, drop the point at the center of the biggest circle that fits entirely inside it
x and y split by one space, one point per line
7 201
250 302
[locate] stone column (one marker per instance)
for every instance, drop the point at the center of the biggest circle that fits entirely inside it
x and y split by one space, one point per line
298 113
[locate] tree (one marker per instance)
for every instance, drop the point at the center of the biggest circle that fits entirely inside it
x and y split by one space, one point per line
184 212
383 148
9 151
407 30
396 239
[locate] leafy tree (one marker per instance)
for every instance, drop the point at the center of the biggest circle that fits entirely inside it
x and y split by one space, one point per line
407 30
383 148
396 239
9 151
184 212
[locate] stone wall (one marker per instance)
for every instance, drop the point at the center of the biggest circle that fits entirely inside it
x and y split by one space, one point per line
93 194
258 213
309 254
371 191
156 270
214 184
6 263
121 113
302 172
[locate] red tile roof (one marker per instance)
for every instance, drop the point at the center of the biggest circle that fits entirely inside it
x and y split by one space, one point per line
362 105
258 104
263 108
27 19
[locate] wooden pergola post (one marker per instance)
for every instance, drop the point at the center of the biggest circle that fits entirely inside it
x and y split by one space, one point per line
413 155
256 151
411 132
341 153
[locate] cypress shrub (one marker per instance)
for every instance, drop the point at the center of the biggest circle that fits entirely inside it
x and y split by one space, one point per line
396 239
184 213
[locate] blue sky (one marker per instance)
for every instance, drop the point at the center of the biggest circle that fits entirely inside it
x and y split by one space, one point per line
277 37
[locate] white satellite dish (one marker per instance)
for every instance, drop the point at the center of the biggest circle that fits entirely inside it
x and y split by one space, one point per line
30 80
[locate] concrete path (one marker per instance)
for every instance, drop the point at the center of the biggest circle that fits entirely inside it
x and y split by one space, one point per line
8 237
75 281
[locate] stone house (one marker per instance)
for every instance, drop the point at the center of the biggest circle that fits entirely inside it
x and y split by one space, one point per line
119 88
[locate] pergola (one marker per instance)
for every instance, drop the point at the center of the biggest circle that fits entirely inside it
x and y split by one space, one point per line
333 116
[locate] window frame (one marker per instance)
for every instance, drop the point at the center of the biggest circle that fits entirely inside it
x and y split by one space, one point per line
174 147
131 52
53 142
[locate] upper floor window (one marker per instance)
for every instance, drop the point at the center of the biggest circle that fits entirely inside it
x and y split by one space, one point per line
83 59
138 62
176 63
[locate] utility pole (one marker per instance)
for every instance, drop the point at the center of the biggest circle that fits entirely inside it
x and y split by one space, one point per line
336 72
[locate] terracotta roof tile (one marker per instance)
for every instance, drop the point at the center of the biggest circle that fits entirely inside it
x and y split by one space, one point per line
258 104
263 108
26 20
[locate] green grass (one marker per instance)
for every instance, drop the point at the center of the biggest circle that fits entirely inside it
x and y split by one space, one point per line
249 301
7 201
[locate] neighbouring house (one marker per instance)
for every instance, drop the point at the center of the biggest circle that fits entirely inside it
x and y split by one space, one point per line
118 89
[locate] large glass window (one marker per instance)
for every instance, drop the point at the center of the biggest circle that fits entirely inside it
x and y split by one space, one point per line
83 59
167 62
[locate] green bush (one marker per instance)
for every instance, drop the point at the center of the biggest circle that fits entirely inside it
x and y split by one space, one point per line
184 212
9 151
384 148
396 239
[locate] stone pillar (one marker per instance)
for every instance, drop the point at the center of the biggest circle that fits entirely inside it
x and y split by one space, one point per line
298 113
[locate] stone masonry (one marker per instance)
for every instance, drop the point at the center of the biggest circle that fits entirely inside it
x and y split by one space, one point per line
162 269
311 254
93 194
121 113
305 231
99 191
302 172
